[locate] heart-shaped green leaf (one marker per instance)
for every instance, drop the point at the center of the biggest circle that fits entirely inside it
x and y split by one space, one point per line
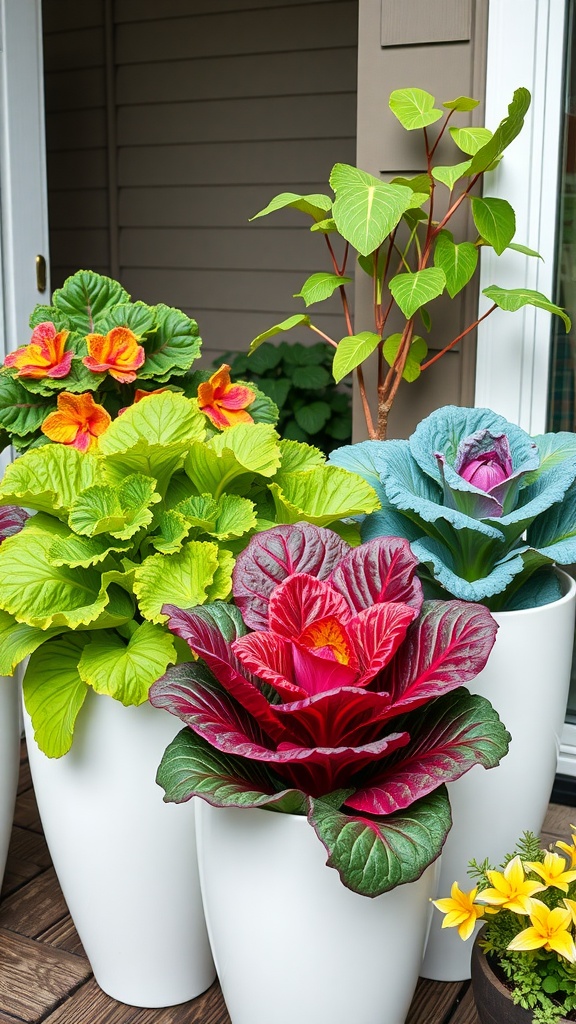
183 579
120 511
123 669
495 220
352 351
458 262
320 286
470 140
413 290
85 298
317 206
416 355
414 108
242 450
512 299
366 210
462 104
449 175
286 325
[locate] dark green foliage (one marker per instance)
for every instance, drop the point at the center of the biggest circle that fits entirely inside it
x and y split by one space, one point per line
297 378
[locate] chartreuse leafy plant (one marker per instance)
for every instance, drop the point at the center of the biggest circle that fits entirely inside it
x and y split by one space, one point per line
155 513
484 505
404 236
92 353
529 908
329 689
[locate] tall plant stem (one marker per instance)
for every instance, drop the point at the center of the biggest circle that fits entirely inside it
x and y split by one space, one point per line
387 393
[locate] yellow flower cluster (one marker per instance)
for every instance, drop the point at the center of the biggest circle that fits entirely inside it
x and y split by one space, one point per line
550 928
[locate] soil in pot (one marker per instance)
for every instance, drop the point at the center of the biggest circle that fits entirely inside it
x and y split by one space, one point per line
492 997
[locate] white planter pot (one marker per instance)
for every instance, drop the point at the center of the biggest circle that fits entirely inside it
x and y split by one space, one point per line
290 942
527 680
125 860
9 761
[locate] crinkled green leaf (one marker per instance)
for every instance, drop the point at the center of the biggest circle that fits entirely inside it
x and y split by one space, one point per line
120 511
182 579
470 140
451 173
296 457
495 220
321 496
126 670
18 640
416 355
313 417
78 380
366 210
238 451
86 296
199 511
235 517
82 552
414 108
286 325
318 287
352 351
50 478
373 856
413 290
317 206
263 409
43 314
512 299
171 530
219 589
137 316
458 262
54 692
21 412
173 346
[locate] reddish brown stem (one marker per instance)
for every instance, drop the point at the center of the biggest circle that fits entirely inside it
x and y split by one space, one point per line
447 348
322 335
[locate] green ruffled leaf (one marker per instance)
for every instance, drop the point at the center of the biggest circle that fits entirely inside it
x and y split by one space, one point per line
457 262
374 856
85 297
286 325
137 316
43 314
512 299
235 517
413 290
317 206
82 552
49 479
321 496
352 351
182 579
416 355
54 692
172 530
414 108
126 670
172 348
296 457
17 641
495 220
21 412
366 210
240 451
470 140
319 287
120 511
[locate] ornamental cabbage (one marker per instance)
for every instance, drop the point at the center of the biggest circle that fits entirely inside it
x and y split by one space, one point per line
330 689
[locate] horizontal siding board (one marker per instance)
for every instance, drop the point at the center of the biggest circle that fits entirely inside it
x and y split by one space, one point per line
251 31
76 169
242 120
147 10
267 162
266 74
74 89
70 14
84 208
67 130
79 246
233 330
210 206
79 49
292 249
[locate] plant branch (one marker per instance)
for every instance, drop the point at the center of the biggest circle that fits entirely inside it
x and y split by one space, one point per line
441 133
447 348
372 433
322 335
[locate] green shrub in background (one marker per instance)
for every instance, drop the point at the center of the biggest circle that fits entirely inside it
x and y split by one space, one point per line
298 379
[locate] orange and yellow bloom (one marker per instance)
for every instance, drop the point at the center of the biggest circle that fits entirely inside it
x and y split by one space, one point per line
78 422
552 871
461 910
117 353
510 890
45 356
225 403
549 930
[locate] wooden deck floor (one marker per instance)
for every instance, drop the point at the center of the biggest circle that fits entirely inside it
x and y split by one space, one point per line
45 976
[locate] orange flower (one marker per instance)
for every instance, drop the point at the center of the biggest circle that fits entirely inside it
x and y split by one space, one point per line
45 356
78 422
223 402
118 352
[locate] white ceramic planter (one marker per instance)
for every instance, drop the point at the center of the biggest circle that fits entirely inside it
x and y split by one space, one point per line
290 942
9 761
527 680
125 860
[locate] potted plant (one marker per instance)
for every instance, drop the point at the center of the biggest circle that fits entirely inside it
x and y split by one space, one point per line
524 957
489 511
403 234
131 512
326 709
11 520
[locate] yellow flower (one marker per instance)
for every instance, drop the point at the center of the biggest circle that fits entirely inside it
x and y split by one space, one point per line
552 871
570 849
549 930
461 911
510 890
571 905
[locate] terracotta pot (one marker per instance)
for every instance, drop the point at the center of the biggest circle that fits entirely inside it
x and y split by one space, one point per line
493 1000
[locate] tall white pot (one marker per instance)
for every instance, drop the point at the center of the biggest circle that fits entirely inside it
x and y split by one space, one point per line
290 942
126 861
9 762
526 679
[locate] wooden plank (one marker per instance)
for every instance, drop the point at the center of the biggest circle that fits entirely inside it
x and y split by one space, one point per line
433 1000
228 120
466 1011
269 163
26 812
63 935
24 779
254 74
147 10
29 847
208 1008
248 31
559 819
34 979
202 206
90 1005
31 910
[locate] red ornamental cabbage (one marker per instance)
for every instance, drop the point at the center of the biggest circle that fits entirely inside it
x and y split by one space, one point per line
12 520
345 703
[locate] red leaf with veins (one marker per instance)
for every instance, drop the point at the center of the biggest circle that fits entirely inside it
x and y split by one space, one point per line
376 572
301 601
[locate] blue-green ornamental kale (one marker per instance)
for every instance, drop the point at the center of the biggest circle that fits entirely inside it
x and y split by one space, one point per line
487 508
